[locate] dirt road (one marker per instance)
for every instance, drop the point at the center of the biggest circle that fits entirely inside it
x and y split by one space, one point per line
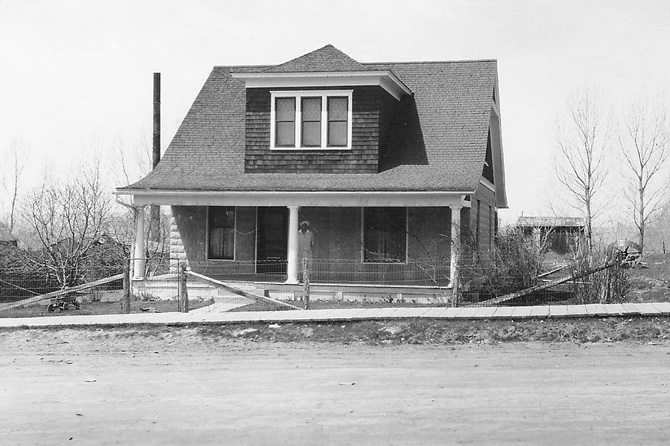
174 387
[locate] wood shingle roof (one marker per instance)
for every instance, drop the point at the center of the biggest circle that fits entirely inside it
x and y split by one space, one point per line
437 142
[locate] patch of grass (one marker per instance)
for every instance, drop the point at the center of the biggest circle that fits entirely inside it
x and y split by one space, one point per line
334 304
97 308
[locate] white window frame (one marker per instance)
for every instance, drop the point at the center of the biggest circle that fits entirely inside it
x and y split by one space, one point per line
207 237
298 95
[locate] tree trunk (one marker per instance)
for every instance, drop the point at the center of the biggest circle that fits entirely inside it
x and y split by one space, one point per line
641 217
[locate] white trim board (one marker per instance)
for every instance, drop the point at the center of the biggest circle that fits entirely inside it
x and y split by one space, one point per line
271 198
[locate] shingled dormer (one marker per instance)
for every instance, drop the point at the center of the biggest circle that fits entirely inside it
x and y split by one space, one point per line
323 112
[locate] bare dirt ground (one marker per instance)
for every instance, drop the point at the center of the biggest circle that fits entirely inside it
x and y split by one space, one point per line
209 385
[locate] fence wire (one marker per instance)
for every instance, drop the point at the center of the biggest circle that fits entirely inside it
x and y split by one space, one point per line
163 284
582 281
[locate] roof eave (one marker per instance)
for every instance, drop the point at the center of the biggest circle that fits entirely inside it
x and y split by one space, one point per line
142 197
385 79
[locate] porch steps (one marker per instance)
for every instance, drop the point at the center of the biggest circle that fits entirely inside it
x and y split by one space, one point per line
240 291
222 306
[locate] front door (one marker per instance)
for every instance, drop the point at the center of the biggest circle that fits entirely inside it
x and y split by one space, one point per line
272 239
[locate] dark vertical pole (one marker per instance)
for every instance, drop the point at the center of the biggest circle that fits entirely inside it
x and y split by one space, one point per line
126 288
157 120
305 281
155 212
183 292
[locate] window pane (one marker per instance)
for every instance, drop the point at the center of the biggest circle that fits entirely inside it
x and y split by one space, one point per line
228 243
285 122
338 121
285 136
338 109
311 109
221 224
311 122
285 109
385 235
337 134
216 243
311 134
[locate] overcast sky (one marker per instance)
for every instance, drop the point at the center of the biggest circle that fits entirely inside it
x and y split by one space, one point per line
76 76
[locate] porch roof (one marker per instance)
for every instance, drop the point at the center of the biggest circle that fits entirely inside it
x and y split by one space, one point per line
302 199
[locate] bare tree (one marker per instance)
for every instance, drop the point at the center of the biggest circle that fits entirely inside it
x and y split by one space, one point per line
134 161
12 181
581 168
644 145
66 222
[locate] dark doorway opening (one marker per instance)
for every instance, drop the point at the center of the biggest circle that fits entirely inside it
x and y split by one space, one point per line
271 240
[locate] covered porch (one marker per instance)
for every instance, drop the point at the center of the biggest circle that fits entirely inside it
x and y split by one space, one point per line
353 239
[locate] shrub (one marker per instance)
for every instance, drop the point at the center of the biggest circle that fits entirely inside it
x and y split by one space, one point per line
513 264
610 285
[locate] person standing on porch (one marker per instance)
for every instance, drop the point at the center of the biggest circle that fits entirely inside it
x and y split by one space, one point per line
305 241
305 244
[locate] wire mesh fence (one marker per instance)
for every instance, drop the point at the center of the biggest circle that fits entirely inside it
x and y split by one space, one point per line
163 284
420 272
83 288
579 281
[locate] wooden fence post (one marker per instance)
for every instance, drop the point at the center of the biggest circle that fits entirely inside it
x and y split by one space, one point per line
305 278
126 288
183 293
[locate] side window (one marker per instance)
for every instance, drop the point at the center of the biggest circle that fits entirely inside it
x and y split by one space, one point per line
221 227
385 234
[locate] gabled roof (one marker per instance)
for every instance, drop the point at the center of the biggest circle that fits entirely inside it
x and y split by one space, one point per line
437 142
326 59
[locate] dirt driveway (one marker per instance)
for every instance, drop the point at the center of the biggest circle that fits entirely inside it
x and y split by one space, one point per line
176 387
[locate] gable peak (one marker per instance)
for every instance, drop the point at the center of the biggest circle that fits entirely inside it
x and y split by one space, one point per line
325 59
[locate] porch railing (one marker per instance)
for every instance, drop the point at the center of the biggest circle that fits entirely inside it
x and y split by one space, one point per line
413 273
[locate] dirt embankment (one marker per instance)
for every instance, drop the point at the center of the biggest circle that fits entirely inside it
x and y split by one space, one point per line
397 332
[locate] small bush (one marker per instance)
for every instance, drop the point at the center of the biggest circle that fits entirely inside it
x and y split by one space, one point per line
513 264
610 285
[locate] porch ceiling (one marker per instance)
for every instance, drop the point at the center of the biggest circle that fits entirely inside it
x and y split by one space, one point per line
312 199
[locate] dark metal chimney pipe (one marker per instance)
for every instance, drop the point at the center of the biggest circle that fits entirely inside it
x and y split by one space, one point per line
157 120
155 211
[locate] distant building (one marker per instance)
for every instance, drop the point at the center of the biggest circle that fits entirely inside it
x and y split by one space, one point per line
7 240
561 233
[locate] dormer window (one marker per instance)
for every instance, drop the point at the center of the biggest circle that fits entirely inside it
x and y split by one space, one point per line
310 119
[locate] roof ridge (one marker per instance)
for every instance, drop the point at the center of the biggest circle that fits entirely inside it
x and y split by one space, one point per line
243 66
429 62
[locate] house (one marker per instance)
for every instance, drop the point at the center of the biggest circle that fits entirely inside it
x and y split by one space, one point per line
7 241
390 163
561 234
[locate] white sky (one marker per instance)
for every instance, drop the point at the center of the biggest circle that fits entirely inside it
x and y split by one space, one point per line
76 76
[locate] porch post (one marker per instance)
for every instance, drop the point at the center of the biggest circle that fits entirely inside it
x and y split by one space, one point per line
455 246
140 251
292 255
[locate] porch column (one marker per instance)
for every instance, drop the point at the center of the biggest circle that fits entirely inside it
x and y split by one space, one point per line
455 246
140 250
292 255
